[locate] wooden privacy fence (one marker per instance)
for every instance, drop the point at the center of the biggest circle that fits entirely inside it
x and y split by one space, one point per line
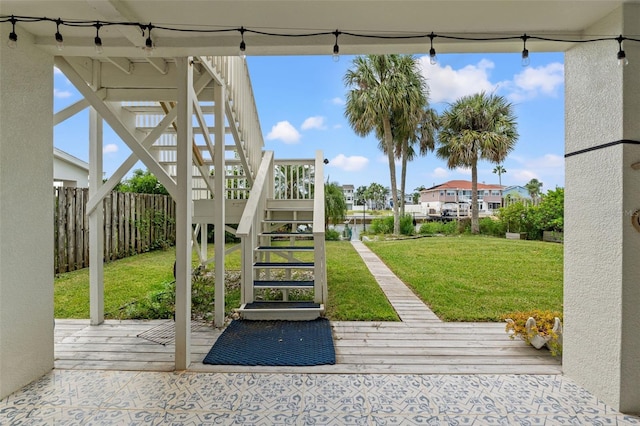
133 223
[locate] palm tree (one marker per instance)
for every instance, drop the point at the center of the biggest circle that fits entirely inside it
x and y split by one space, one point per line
500 170
383 86
411 128
534 186
476 127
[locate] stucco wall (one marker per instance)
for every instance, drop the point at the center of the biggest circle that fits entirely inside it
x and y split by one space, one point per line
602 272
26 214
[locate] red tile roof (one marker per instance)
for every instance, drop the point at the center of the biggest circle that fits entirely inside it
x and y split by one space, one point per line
462 184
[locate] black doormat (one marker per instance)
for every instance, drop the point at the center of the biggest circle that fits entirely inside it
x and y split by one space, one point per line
274 343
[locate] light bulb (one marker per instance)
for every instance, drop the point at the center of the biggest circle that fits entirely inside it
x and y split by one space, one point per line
98 44
59 41
525 58
622 59
336 53
148 46
433 59
13 40
243 48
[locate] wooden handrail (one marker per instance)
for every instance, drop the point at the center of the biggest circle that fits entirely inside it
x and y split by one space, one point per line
256 196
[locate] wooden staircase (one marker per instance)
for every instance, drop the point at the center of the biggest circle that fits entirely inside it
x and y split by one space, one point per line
284 271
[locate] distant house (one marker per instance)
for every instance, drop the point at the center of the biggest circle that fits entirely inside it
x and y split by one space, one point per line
69 171
455 195
348 191
512 194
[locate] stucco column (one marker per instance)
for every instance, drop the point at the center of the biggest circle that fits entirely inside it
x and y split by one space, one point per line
26 214
602 247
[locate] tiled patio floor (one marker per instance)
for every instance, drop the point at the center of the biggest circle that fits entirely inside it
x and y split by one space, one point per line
76 397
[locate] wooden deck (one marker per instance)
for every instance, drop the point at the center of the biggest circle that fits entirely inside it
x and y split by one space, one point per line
361 347
419 344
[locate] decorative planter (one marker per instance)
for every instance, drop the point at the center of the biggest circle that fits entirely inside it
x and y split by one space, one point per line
536 340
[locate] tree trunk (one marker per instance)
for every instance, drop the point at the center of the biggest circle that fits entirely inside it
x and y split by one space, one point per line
475 226
403 176
388 138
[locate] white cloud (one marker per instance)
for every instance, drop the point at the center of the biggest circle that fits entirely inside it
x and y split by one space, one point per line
537 81
547 161
447 84
316 122
353 163
463 170
62 94
285 132
110 148
440 172
523 175
337 101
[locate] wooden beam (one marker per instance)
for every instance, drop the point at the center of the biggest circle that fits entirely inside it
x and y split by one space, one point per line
132 159
69 111
219 207
184 214
117 125
123 64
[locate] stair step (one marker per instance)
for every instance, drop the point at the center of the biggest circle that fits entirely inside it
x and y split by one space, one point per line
287 221
287 234
285 248
284 265
283 284
287 311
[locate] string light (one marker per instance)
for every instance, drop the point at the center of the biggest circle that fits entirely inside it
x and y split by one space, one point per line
13 37
432 52
336 48
98 41
149 45
525 52
59 39
243 45
622 57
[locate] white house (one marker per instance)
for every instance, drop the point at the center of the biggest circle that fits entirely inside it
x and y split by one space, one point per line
69 171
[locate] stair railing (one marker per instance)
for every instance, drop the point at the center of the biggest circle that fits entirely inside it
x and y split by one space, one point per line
249 226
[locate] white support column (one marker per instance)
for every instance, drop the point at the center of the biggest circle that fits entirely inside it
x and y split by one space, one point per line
184 214
602 272
204 230
26 214
219 206
96 221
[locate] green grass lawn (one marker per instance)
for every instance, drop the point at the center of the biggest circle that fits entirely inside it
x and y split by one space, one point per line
353 292
471 278
461 278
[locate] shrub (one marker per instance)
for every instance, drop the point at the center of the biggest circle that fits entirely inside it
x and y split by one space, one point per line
431 228
450 228
489 226
406 225
331 235
383 225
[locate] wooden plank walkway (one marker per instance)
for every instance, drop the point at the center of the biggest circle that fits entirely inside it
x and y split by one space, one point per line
420 344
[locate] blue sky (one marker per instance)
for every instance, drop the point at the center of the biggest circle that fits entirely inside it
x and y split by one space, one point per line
300 101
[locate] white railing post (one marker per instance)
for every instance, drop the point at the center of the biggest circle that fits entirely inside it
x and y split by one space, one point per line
321 291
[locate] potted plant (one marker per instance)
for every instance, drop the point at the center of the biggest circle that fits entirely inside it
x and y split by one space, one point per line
537 328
